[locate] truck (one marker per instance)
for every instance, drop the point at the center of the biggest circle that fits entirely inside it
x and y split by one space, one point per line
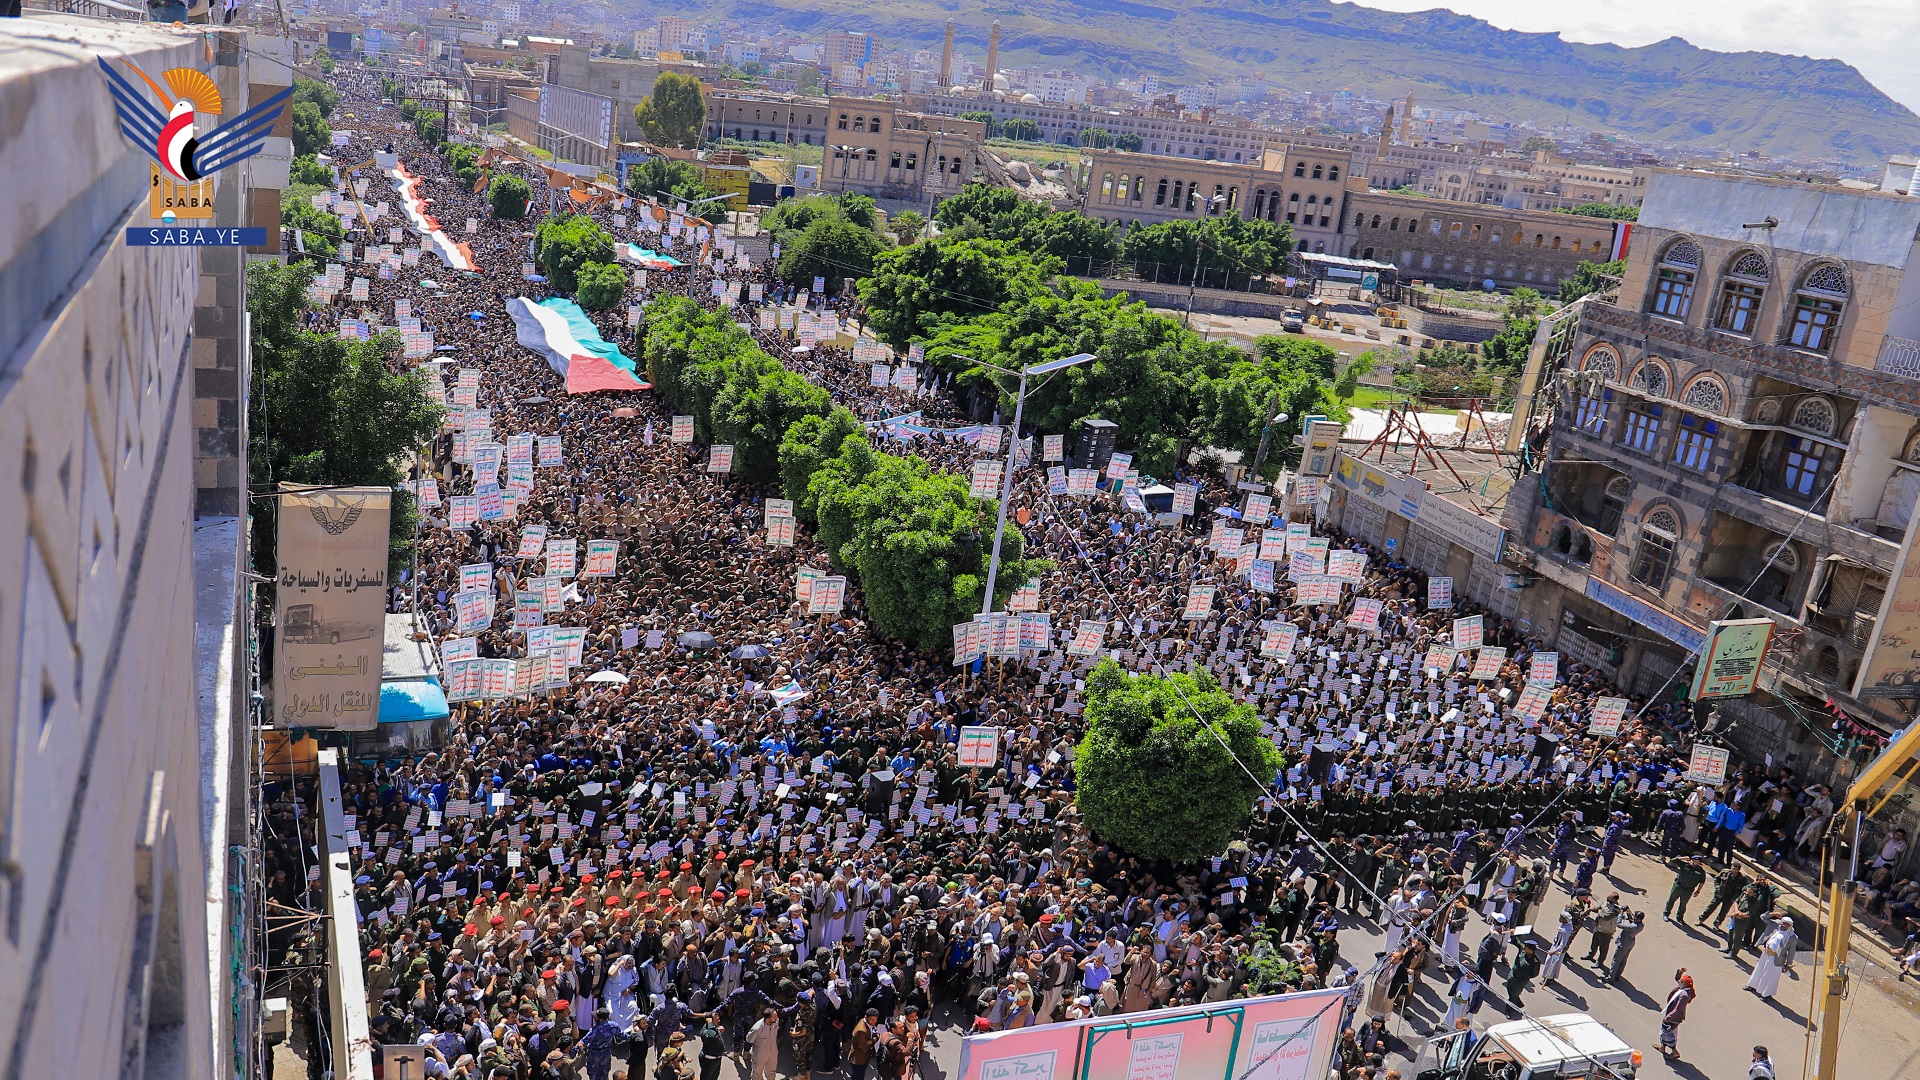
303 629
1567 1045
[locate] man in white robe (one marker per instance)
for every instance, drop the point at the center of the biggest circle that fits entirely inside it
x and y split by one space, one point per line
1766 973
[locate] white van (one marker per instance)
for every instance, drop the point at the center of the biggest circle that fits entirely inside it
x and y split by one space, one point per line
1568 1045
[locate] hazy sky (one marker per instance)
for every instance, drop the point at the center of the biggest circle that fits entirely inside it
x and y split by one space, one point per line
1875 36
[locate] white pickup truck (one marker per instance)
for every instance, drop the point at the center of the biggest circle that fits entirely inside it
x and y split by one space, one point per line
1568 1045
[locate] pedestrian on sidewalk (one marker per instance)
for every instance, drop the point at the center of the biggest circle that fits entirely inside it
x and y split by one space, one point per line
1674 1013
1727 886
1688 875
1557 952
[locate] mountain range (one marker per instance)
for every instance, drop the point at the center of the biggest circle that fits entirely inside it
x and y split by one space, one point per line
1670 91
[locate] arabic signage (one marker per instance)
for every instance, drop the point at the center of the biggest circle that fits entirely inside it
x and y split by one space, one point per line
1731 661
1611 597
979 747
1400 494
330 607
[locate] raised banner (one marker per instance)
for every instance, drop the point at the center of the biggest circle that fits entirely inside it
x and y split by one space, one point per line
1440 659
1439 593
550 455
1087 637
1366 614
1025 598
533 542
1276 643
984 482
683 429
1118 465
1347 565
1053 448
1730 662
1489 661
1468 632
969 643
721 460
1184 498
780 532
330 607
1708 765
1082 481
601 556
475 576
1199 602
829 596
1607 717
1544 667
561 555
1316 590
979 746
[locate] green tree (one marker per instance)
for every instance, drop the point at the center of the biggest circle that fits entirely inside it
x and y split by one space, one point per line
1506 352
679 179
308 170
324 410
507 196
1020 129
320 231
318 94
914 290
1096 137
1524 303
602 286
675 113
1229 246
1537 143
1601 210
1591 277
985 117
323 60
1002 214
807 445
1162 771
907 226
1349 382
1286 377
310 132
830 248
1128 141
562 245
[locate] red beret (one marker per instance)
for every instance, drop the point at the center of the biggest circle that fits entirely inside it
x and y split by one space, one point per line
375 954
664 892
686 866
549 974
614 875
586 879
579 901
561 1006
742 892
497 920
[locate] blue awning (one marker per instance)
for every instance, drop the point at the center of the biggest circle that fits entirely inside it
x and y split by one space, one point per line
406 700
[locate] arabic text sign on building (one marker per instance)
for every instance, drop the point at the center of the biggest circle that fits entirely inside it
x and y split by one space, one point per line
331 607
1730 663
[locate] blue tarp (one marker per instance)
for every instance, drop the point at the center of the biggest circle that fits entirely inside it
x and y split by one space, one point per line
406 700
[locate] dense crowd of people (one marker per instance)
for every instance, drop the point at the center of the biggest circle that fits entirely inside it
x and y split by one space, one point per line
719 857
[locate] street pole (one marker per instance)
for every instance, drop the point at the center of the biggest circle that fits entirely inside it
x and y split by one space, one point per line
1199 245
1006 492
1266 431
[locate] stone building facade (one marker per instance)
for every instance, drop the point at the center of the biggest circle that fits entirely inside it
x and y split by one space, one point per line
1303 186
1460 243
761 117
1738 435
878 149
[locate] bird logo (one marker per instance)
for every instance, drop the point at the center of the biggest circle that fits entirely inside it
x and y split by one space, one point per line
170 134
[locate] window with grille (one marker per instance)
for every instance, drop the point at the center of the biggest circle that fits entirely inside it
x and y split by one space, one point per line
1693 446
1653 559
1800 470
1643 431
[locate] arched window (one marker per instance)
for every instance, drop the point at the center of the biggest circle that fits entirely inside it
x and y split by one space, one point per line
1814 414
1780 563
1368 255
876 125
1376 221
1602 361
1394 225
1782 555
1817 306
1313 200
1300 168
1495 238
1613 504
859 123
1259 202
1744 286
1651 378
1333 172
1294 198
1707 395
1674 278
1653 559
843 122
1316 172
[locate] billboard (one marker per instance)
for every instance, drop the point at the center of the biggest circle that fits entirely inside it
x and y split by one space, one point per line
577 113
330 607
1279 1037
1730 661
1321 441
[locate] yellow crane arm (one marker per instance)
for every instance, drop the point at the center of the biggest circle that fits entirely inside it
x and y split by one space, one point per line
1843 853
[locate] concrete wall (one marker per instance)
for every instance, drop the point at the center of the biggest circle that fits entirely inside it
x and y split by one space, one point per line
113 915
1472 242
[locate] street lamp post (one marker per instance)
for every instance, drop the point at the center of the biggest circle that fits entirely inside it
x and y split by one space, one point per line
1266 432
689 206
1006 477
1193 285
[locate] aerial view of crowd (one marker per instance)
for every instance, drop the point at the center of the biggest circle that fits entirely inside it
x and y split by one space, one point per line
738 838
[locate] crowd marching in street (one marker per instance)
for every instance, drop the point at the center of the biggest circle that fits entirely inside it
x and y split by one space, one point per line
771 863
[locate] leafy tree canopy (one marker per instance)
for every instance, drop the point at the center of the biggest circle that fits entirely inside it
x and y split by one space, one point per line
1591 277
1153 779
830 248
311 135
1601 210
323 97
507 196
680 179
915 289
564 244
675 113
602 286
